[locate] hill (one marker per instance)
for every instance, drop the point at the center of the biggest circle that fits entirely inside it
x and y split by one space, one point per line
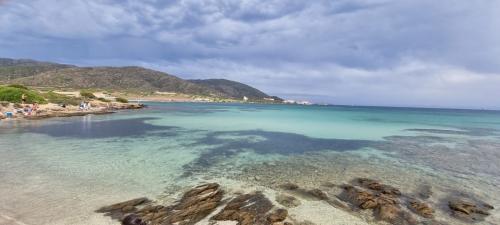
232 88
11 69
114 78
136 79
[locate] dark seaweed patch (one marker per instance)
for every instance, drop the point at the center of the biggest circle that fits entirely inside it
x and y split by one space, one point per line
103 129
268 143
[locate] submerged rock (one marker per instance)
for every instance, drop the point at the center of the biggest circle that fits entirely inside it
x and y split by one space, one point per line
125 206
290 186
421 209
319 194
469 210
247 209
425 191
359 198
377 186
288 201
277 216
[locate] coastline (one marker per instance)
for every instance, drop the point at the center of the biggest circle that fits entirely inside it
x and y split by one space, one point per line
52 110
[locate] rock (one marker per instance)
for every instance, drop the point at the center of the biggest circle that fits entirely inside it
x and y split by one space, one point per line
247 209
122 205
133 219
421 209
394 215
462 206
288 201
359 198
377 186
277 216
321 195
388 212
425 192
290 186
128 208
385 206
469 210
195 205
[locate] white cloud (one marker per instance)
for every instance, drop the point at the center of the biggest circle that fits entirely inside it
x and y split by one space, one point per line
355 51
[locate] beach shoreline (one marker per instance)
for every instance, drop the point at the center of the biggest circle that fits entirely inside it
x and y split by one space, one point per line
56 111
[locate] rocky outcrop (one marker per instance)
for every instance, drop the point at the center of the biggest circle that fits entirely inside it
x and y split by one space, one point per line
382 199
124 207
251 209
377 186
195 205
421 209
469 210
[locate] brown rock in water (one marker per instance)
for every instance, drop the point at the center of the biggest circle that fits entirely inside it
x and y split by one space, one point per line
290 186
421 209
321 195
195 204
359 198
287 201
469 210
133 219
394 215
385 206
123 205
425 191
388 212
377 186
247 209
277 216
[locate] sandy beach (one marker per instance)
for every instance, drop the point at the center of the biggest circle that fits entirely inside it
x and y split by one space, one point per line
16 112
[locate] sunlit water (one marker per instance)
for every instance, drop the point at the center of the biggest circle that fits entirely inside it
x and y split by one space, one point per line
58 171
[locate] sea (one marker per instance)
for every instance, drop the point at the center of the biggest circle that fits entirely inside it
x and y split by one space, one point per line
58 171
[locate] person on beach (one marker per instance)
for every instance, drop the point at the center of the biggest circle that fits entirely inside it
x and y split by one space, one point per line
34 108
23 99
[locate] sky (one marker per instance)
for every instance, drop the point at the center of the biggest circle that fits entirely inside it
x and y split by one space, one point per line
354 52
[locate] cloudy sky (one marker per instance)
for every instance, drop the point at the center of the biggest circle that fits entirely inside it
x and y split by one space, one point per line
442 53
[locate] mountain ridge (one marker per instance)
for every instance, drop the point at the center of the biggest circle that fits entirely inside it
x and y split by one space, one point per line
134 78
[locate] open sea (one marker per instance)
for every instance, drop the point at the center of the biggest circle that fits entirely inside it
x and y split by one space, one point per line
59 171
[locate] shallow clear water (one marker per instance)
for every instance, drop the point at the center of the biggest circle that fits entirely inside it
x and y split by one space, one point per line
58 171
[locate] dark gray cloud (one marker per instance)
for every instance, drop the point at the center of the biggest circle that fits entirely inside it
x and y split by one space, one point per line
390 52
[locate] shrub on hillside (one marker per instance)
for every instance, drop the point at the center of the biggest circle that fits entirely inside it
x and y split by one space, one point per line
87 94
122 100
20 86
56 98
103 100
14 95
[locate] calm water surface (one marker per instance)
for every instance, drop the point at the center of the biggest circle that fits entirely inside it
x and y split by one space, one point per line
58 171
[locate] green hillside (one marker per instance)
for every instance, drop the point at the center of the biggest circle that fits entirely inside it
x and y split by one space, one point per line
137 79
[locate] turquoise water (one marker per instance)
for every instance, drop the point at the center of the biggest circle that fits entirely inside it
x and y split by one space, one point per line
57 171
